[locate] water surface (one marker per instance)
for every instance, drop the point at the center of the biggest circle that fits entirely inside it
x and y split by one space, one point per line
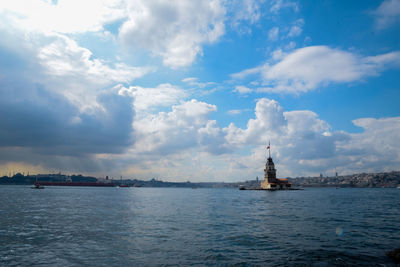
77 226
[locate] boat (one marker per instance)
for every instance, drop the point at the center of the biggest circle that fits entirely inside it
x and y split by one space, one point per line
122 184
36 185
241 187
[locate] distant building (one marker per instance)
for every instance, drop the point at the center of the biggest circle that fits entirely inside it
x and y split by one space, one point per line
270 180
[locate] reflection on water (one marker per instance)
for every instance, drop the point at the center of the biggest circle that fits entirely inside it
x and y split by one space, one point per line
167 226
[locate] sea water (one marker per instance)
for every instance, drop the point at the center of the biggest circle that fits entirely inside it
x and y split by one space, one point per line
78 226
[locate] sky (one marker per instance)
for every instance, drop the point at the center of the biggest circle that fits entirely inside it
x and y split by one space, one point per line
195 90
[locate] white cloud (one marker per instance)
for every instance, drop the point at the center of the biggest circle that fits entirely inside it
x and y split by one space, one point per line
295 136
73 71
60 64
277 54
193 81
64 57
190 80
63 16
185 127
308 68
244 14
290 46
277 5
242 89
174 32
303 144
387 14
375 149
273 34
63 95
164 95
267 124
243 74
53 79
246 10
379 138
296 29
237 111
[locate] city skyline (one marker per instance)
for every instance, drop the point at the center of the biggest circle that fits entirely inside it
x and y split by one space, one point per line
195 90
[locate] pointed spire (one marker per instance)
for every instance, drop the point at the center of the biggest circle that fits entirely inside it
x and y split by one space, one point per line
269 149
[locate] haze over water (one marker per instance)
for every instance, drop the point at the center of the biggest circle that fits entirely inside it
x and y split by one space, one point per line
169 226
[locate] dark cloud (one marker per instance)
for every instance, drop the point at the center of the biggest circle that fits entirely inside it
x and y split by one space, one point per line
50 124
37 117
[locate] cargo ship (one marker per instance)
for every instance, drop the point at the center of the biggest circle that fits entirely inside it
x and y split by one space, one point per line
101 184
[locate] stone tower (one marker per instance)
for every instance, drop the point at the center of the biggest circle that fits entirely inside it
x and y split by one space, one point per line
270 181
270 171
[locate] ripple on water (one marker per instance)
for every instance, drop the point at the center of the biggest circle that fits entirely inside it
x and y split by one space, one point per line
216 227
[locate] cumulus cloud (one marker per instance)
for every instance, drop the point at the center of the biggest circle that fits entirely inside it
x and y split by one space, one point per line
185 126
57 102
387 14
267 124
164 95
62 107
64 57
62 64
310 67
48 123
303 144
174 32
378 142
63 16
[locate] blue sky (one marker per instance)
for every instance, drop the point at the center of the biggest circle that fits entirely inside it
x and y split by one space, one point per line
194 90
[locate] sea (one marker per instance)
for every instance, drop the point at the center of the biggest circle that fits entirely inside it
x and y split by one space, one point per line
92 226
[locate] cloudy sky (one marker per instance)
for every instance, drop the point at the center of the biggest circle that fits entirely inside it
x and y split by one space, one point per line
195 90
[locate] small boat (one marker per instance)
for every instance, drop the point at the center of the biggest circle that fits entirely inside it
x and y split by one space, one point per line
122 184
37 186
241 187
